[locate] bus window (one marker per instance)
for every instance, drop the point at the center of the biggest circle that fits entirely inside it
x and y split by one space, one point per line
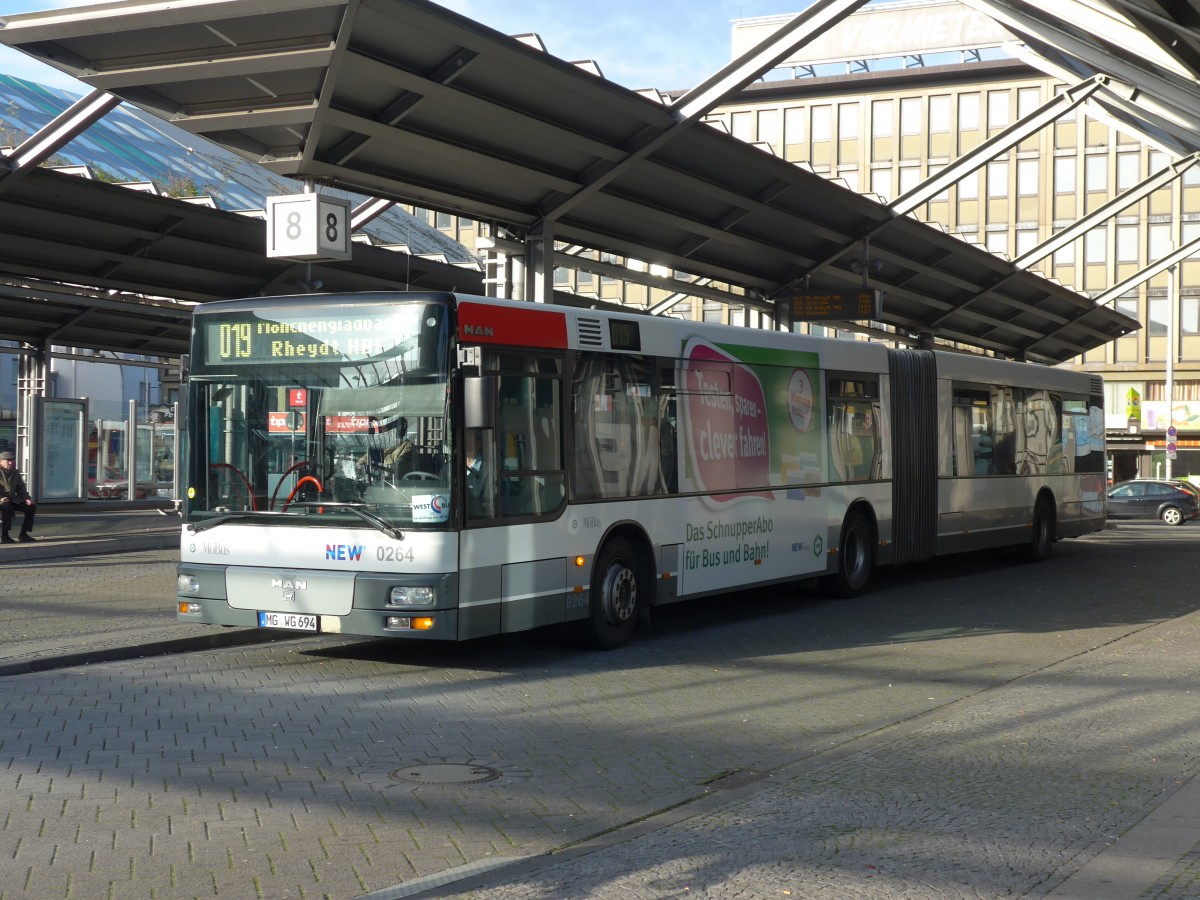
1004 439
974 439
481 473
618 451
530 478
854 440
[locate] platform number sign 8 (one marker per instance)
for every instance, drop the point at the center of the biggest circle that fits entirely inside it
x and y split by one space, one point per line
308 227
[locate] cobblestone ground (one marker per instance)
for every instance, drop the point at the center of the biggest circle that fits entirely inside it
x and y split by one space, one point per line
1005 797
68 597
275 771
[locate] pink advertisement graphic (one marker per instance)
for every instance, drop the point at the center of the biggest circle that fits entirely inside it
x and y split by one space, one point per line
728 434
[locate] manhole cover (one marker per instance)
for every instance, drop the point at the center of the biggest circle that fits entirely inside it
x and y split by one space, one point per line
446 773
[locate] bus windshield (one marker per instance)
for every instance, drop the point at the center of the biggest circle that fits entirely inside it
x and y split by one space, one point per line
330 414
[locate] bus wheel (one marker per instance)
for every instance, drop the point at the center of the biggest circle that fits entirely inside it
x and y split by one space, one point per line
616 593
1041 537
856 557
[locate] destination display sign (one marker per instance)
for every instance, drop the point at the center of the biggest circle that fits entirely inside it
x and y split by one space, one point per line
812 306
308 336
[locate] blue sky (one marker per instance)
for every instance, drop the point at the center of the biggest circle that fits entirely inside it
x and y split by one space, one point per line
666 44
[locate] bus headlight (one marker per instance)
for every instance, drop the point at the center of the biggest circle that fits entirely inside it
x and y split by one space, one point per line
188 584
413 595
408 623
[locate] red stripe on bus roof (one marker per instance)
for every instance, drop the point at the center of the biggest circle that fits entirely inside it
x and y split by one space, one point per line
482 324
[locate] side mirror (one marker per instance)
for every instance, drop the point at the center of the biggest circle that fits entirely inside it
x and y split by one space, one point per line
478 409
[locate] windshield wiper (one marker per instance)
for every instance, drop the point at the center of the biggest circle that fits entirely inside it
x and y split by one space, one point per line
362 510
197 527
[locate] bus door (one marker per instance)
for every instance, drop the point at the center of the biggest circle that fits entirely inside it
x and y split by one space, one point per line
515 469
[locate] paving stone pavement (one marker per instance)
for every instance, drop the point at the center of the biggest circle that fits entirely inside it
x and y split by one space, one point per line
718 762
1027 792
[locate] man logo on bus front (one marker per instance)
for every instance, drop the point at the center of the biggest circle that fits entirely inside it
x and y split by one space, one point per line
290 587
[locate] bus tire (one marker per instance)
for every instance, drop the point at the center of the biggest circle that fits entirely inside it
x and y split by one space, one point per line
618 591
856 557
1041 532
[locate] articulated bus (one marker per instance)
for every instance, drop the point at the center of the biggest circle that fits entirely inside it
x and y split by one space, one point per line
437 466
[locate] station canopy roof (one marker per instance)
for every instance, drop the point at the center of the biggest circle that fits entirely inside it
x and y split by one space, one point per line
79 250
405 100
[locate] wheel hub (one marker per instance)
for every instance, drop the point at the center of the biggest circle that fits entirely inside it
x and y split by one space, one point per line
620 594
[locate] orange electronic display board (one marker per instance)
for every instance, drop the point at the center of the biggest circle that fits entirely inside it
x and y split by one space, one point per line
811 306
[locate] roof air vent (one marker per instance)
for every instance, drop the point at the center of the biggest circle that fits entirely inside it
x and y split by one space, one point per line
590 333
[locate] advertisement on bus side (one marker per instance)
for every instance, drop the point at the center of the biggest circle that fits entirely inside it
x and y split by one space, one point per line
751 438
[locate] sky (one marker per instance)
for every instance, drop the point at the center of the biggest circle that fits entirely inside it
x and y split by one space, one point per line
664 44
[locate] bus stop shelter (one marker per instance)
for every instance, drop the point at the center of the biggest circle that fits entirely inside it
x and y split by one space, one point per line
408 102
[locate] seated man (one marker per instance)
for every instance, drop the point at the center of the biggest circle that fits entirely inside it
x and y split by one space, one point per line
481 501
14 496
396 460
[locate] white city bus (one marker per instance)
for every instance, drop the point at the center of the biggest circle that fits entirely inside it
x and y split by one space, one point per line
624 462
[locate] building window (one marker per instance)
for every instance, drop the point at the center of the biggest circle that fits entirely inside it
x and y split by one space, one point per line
847 121
997 180
1160 241
793 132
1028 100
997 109
1064 175
768 127
1095 243
910 115
881 183
1065 255
968 112
821 123
997 242
1158 316
1127 243
939 113
1027 239
1096 173
742 126
1027 177
1127 170
968 186
1189 315
881 118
